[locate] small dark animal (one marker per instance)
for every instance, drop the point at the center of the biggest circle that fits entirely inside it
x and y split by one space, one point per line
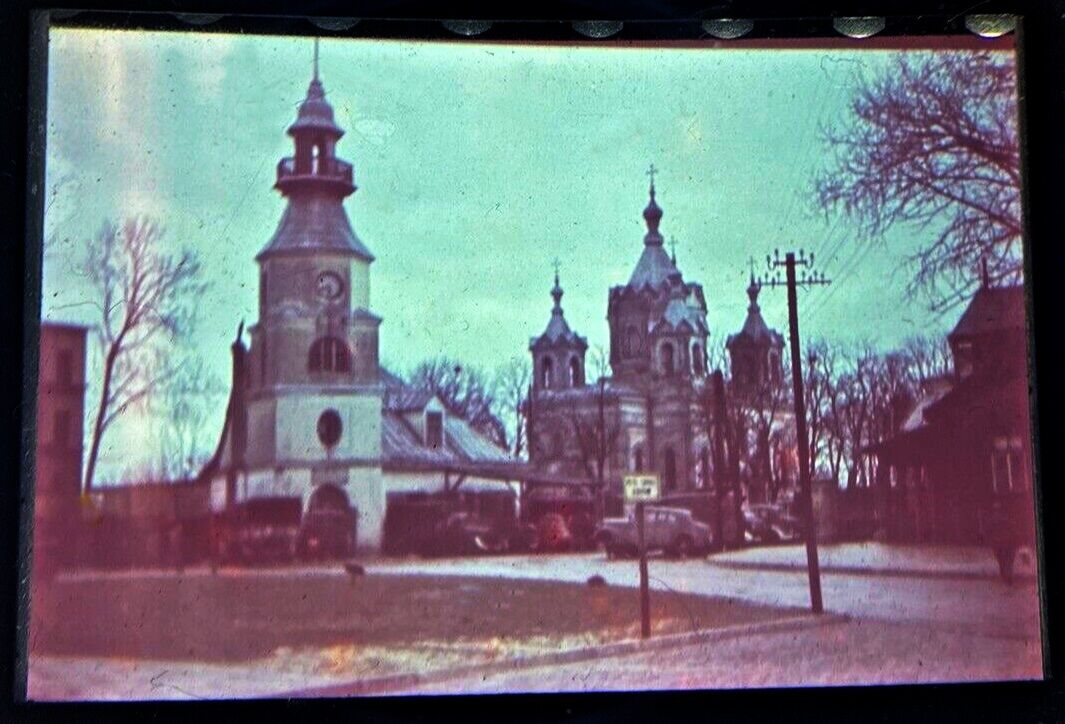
354 569
596 581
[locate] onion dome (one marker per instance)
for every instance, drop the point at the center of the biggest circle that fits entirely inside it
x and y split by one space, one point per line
558 330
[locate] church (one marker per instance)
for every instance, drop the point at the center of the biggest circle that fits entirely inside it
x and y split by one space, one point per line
312 416
315 422
655 410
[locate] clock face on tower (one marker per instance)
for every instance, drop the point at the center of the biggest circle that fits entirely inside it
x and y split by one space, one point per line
329 286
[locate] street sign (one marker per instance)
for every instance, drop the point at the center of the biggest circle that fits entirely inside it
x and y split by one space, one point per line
642 488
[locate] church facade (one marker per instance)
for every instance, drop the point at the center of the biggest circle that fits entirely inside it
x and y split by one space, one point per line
651 413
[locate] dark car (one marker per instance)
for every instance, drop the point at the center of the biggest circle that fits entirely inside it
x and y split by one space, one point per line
262 530
464 533
770 523
325 534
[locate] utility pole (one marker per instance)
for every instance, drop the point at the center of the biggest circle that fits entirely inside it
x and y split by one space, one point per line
789 262
722 471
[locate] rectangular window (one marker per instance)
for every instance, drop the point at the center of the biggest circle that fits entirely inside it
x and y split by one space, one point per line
1007 469
434 429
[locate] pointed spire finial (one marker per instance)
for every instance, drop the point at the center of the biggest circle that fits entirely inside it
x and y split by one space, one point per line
556 292
753 288
315 59
651 171
673 248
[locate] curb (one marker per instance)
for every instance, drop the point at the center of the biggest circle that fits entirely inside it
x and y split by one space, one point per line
863 571
387 684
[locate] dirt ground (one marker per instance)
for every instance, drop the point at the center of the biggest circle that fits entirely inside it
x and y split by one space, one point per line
229 618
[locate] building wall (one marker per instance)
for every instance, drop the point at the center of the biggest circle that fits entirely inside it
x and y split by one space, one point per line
297 426
59 443
677 425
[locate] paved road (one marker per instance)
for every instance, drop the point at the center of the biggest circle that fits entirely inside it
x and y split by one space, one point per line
902 629
982 606
857 652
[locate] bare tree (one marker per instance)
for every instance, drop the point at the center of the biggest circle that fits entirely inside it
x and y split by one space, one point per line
188 397
146 298
820 390
933 141
465 391
511 389
929 358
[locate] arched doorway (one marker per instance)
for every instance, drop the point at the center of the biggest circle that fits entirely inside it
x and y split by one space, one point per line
327 530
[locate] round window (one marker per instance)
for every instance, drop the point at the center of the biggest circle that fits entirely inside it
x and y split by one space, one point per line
329 428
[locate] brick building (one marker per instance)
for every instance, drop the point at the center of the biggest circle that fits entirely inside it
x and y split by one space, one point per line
60 442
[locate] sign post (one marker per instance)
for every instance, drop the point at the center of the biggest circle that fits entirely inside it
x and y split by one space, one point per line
640 489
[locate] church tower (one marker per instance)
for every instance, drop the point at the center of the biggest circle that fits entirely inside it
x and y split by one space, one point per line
755 352
558 353
313 391
657 321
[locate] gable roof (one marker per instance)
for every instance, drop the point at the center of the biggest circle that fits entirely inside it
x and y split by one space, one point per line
992 309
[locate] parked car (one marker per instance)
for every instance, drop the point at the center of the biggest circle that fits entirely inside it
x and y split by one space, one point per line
770 523
325 534
262 530
465 533
671 530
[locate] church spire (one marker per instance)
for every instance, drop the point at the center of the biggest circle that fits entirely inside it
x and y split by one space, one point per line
652 215
556 293
315 181
315 75
752 291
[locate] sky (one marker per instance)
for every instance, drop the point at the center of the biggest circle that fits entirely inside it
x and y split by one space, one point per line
477 166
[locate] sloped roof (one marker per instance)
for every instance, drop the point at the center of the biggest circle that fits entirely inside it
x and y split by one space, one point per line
558 330
402 442
916 418
992 309
406 398
679 311
313 223
755 330
653 268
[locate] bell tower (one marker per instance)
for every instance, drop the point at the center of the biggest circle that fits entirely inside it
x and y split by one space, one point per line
312 376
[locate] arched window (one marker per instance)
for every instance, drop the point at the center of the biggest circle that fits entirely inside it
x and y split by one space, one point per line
637 460
667 359
632 341
669 470
547 371
576 374
697 360
329 354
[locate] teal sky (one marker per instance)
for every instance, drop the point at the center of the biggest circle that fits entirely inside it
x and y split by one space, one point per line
476 165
